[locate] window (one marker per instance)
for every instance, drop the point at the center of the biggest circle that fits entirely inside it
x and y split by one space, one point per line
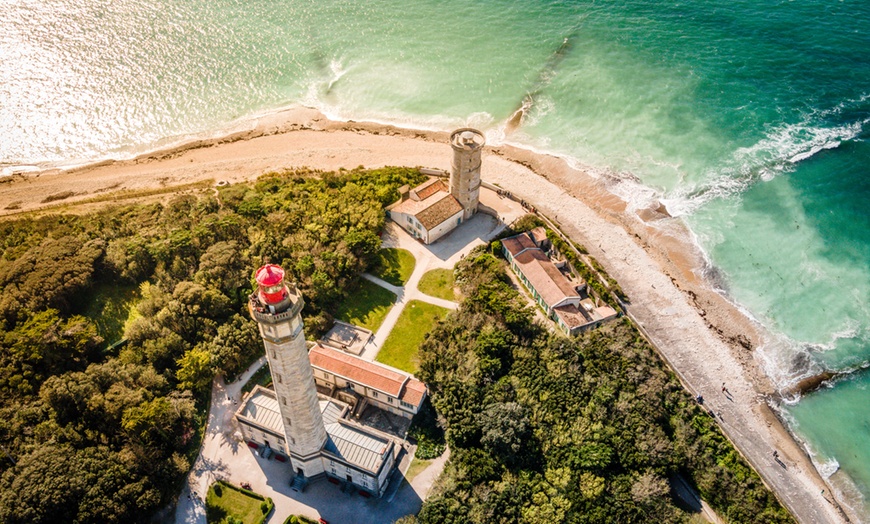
278 376
374 394
406 405
288 421
390 400
283 401
350 385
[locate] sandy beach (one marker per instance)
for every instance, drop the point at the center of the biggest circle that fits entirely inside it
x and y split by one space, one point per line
705 338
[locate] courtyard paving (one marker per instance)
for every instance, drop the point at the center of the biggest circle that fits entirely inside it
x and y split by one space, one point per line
224 456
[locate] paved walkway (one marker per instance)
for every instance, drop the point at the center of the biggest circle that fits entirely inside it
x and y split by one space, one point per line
696 353
443 254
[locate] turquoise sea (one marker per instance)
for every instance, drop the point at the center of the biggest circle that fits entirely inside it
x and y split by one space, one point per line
750 120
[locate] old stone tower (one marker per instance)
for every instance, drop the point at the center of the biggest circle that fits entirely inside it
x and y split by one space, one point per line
275 308
467 145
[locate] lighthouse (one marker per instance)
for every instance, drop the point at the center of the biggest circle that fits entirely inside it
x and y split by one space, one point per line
276 308
467 145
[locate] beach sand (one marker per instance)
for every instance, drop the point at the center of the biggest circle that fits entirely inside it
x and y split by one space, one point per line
706 340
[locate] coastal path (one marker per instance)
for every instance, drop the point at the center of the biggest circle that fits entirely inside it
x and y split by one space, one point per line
699 355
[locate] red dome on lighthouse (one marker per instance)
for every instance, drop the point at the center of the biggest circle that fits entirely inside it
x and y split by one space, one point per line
270 280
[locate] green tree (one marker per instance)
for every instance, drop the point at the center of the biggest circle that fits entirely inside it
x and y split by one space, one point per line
48 275
236 344
194 369
56 483
505 431
43 345
159 424
223 267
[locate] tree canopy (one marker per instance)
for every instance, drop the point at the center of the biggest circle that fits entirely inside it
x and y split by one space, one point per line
104 434
545 428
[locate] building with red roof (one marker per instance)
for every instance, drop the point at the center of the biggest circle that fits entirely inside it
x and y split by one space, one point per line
563 299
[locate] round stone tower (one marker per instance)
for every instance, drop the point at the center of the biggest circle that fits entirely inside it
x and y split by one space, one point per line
275 308
467 144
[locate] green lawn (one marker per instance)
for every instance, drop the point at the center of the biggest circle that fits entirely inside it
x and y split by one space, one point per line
224 500
367 306
416 467
438 283
400 348
263 377
395 265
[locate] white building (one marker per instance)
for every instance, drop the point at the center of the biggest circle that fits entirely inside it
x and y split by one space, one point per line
435 208
380 386
351 453
428 211
294 422
564 301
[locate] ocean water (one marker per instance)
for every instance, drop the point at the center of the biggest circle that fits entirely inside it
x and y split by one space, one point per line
750 120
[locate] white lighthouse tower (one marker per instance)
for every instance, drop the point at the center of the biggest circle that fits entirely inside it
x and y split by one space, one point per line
275 308
467 145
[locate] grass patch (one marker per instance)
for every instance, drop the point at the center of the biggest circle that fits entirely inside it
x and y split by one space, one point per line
416 467
262 377
367 306
225 501
438 283
111 306
400 348
395 265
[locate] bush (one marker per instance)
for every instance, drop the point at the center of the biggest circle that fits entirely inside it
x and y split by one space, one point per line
299 519
545 428
425 430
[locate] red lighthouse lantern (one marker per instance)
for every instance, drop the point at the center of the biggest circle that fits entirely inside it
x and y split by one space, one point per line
270 283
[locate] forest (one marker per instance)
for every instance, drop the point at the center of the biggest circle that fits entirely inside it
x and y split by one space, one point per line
114 322
544 428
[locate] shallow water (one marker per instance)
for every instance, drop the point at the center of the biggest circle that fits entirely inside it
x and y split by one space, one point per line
749 120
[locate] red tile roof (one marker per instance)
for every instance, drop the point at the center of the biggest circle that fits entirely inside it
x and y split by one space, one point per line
545 277
369 374
429 188
435 204
515 245
539 235
439 211
572 316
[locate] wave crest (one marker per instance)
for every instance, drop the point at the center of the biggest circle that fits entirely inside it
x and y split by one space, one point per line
777 153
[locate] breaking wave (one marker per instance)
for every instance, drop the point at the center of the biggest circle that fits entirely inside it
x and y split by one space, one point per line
777 153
